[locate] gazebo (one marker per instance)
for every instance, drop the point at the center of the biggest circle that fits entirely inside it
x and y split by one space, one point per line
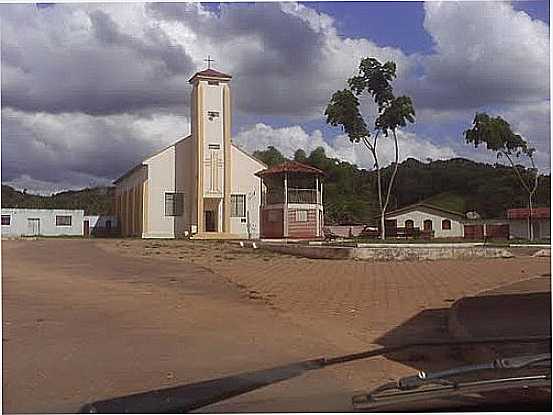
292 201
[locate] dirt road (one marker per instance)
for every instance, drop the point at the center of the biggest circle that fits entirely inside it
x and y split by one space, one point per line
81 324
89 319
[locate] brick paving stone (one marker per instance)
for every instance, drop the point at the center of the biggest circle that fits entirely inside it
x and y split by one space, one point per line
364 299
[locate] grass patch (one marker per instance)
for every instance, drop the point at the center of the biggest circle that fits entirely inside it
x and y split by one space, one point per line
448 200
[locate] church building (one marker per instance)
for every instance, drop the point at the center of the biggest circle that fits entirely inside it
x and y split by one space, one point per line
203 185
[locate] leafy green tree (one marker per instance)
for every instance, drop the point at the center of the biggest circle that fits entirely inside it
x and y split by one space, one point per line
498 136
318 159
300 156
270 157
394 112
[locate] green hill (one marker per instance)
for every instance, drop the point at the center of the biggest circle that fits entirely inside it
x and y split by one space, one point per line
449 201
94 201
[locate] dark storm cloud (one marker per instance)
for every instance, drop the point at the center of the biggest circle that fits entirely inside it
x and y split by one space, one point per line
271 51
159 49
56 147
98 71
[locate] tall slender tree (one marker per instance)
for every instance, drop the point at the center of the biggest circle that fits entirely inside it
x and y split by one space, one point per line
394 112
498 136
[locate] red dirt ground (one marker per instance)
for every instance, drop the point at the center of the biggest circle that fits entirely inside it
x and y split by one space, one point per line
93 319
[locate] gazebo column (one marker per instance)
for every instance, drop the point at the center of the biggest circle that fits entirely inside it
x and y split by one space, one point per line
285 208
262 203
261 196
317 216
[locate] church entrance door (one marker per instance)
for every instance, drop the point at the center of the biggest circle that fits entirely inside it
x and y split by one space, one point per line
210 221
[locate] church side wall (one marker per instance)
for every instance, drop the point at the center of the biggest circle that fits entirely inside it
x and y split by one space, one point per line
185 179
129 202
245 182
161 179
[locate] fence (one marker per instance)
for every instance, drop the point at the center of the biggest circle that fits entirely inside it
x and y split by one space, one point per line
309 196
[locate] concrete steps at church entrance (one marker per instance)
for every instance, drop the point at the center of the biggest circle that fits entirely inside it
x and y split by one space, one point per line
217 235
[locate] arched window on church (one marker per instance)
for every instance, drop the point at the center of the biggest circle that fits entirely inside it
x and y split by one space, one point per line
409 223
446 224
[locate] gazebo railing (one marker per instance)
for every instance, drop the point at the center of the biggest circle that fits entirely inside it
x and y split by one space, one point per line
302 196
273 197
295 195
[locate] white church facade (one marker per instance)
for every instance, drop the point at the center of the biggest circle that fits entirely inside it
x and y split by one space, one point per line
202 185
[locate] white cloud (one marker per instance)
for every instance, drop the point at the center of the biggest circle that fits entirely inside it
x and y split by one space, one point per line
72 149
288 139
533 122
486 53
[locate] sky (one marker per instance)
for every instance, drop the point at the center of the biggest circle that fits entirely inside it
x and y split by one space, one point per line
88 90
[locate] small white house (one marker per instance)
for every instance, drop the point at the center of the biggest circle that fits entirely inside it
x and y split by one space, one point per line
443 223
44 222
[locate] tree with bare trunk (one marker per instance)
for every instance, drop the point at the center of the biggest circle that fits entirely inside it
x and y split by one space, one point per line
498 136
394 112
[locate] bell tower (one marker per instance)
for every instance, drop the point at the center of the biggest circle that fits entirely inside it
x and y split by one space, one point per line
211 127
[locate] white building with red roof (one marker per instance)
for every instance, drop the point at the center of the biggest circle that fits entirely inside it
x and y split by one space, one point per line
520 220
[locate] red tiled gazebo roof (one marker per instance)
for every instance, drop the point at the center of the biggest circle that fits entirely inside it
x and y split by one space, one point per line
524 213
210 73
290 167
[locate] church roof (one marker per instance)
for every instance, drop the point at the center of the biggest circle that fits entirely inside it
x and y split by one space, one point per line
210 73
142 163
290 167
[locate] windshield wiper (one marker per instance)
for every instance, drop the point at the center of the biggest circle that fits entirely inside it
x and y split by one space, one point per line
433 385
192 396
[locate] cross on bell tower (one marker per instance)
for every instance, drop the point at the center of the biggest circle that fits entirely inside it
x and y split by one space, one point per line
209 60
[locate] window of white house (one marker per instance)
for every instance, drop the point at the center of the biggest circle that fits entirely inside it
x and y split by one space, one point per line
301 215
174 204
6 220
273 216
238 206
64 220
446 224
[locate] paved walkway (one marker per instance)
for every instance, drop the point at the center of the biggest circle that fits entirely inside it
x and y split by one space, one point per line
359 299
370 298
